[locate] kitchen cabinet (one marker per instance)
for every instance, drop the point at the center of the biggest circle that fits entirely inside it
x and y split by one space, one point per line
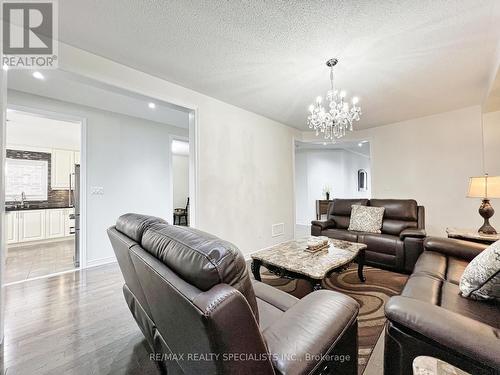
62 165
38 225
55 223
12 230
32 225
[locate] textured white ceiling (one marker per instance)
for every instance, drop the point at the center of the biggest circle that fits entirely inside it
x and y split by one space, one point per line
404 58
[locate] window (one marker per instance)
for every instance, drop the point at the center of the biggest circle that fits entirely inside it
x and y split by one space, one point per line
362 180
28 176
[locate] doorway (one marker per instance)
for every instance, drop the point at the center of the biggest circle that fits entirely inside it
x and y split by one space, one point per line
179 157
325 171
42 194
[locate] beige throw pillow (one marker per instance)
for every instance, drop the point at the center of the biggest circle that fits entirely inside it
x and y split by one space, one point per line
481 278
366 218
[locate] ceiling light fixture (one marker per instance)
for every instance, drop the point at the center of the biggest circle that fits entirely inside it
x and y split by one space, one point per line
38 75
334 121
152 105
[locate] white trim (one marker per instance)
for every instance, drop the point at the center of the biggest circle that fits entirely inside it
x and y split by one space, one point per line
100 262
45 241
83 164
171 138
294 223
193 166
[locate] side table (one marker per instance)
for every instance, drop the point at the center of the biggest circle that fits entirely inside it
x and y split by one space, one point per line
472 235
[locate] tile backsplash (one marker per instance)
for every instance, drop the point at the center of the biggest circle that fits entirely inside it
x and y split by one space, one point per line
55 197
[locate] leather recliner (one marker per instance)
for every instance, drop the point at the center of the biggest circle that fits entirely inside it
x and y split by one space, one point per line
191 295
403 231
431 318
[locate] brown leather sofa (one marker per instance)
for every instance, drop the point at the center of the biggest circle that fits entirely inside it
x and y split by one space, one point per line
431 318
191 295
403 231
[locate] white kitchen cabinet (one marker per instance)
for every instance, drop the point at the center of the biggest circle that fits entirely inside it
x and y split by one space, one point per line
32 225
55 223
38 225
12 224
62 165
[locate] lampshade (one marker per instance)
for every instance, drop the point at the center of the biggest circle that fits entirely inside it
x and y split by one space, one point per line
484 187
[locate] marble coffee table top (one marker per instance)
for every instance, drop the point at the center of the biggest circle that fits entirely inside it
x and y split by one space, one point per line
291 255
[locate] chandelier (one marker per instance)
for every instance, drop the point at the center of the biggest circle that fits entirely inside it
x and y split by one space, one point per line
338 117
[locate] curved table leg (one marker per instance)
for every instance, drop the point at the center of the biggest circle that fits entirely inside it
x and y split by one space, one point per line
255 266
361 264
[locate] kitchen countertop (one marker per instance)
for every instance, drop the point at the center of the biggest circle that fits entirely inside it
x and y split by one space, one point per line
29 207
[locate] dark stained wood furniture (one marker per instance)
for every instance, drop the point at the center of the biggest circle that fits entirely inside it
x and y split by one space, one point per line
322 208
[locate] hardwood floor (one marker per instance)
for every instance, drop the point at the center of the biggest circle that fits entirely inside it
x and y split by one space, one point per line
75 323
26 262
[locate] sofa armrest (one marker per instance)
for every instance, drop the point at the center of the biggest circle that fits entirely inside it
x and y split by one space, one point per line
324 224
412 232
309 330
466 250
449 329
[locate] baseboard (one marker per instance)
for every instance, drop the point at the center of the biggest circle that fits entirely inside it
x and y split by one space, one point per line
40 242
100 262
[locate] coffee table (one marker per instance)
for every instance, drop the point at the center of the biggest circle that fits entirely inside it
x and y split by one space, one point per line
290 260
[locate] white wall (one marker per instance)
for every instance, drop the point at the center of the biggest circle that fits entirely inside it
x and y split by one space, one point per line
180 180
491 122
315 169
430 159
245 165
126 156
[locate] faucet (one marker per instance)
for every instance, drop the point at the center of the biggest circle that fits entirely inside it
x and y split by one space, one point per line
23 198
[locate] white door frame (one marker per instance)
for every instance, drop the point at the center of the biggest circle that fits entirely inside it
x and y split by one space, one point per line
83 166
171 138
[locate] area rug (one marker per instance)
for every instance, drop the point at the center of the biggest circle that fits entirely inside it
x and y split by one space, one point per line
371 295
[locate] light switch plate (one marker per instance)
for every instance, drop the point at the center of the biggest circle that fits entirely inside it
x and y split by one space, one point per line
97 190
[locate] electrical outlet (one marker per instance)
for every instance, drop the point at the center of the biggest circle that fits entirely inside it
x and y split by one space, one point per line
277 229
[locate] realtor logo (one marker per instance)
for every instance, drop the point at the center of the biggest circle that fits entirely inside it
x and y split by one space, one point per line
29 34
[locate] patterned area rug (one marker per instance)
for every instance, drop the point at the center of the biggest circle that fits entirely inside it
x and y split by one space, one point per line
371 295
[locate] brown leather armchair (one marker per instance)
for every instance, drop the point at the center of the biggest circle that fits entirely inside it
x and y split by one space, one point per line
191 295
431 318
403 231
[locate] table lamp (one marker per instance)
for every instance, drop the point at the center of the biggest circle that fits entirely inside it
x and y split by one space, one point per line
485 187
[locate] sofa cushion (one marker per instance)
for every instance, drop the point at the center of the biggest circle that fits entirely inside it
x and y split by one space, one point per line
340 234
134 225
432 264
485 311
343 207
424 288
381 243
199 258
400 214
272 303
481 278
398 209
366 219
341 222
455 269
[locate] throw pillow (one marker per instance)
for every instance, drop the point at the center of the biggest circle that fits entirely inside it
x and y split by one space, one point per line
481 278
366 218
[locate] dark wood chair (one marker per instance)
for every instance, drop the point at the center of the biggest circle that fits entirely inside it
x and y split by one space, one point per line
181 213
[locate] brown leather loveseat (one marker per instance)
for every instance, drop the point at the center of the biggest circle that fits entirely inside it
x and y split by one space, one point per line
191 295
403 231
431 318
